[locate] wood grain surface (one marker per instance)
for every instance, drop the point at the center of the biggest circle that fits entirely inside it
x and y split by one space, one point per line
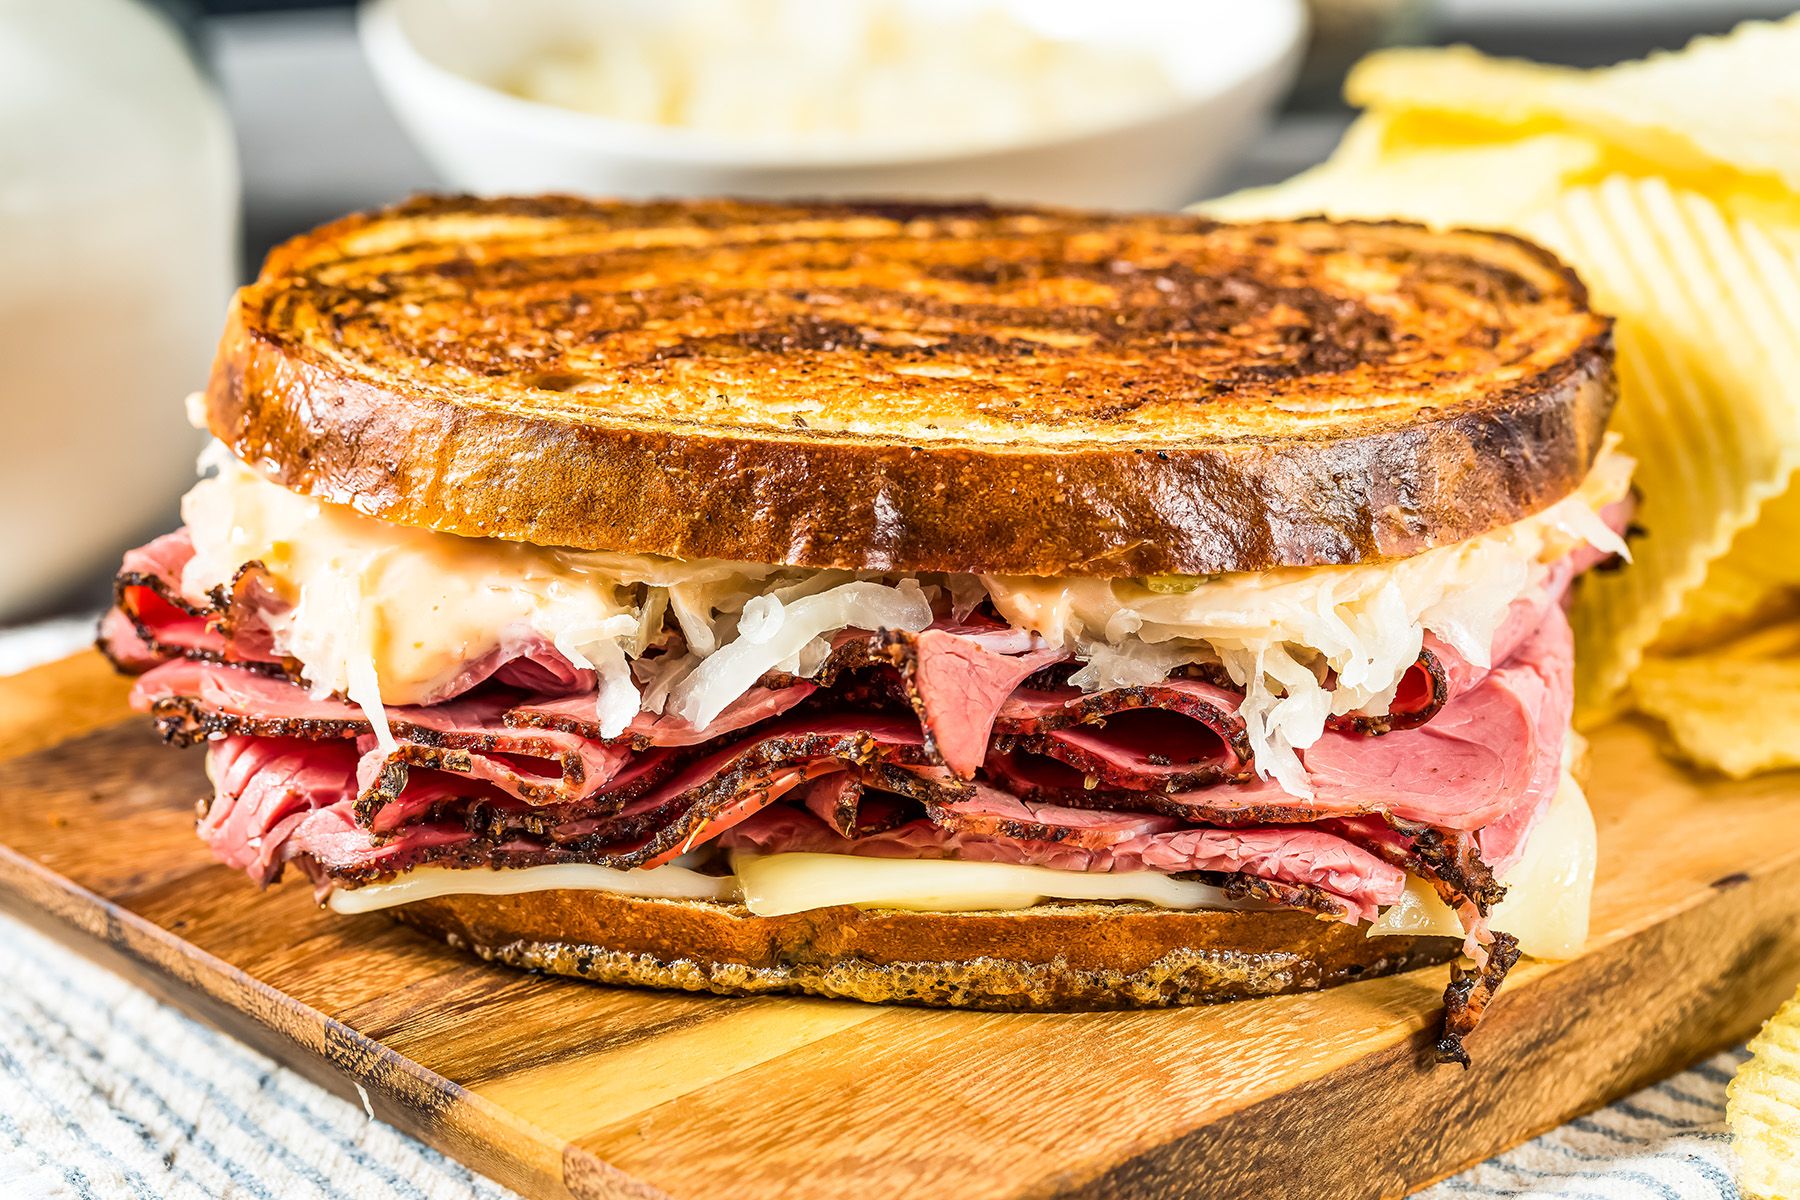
559 1088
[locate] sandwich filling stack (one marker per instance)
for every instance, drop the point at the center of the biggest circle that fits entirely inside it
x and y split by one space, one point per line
944 604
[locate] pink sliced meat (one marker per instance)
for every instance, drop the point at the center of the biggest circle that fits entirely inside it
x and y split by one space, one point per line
282 800
1044 710
266 788
258 799
161 560
121 642
715 792
1442 673
576 714
467 736
228 625
990 812
465 749
330 841
1524 617
1494 749
1046 780
1491 751
192 699
148 592
1492 758
526 662
1181 733
1142 750
958 685
1420 695
835 799
844 803
1551 655
396 787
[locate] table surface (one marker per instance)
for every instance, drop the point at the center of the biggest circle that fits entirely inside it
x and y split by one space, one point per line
106 1092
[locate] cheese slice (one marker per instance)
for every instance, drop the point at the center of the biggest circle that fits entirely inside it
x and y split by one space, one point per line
424 883
1549 891
772 885
777 884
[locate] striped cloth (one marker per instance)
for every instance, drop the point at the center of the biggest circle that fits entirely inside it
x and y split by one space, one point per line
1667 1142
106 1092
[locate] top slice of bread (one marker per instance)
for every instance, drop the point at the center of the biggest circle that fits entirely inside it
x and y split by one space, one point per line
917 387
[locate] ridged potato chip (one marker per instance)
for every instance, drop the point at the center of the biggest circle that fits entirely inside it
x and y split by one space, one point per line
1722 103
1739 716
1389 172
1731 101
1774 210
1757 580
1780 640
1463 82
1762 1109
1709 372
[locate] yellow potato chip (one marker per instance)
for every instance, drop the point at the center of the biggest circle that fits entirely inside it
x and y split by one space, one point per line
1762 1108
1479 184
1775 640
1773 209
1757 579
1729 604
1738 716
1365 142
1730 103
1709 371
1462 81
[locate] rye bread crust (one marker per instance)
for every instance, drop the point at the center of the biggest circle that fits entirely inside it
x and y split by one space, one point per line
917 387
1062 956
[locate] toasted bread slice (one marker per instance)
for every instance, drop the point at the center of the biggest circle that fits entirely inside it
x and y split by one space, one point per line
916 387
1063 955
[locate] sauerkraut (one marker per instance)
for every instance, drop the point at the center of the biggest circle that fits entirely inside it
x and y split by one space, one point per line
386 614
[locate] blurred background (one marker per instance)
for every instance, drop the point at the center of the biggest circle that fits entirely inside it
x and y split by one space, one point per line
151 151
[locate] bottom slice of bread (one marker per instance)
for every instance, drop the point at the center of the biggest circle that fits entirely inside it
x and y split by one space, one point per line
1053 956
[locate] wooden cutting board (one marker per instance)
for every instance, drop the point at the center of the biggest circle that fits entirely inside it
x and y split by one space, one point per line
559 1088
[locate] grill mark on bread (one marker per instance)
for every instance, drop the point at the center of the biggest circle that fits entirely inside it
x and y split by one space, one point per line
1311 331
1303 329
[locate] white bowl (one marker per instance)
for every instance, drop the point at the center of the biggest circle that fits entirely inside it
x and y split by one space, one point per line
439 63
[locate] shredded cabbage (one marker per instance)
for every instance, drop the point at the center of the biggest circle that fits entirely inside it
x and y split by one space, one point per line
601 649
770 632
